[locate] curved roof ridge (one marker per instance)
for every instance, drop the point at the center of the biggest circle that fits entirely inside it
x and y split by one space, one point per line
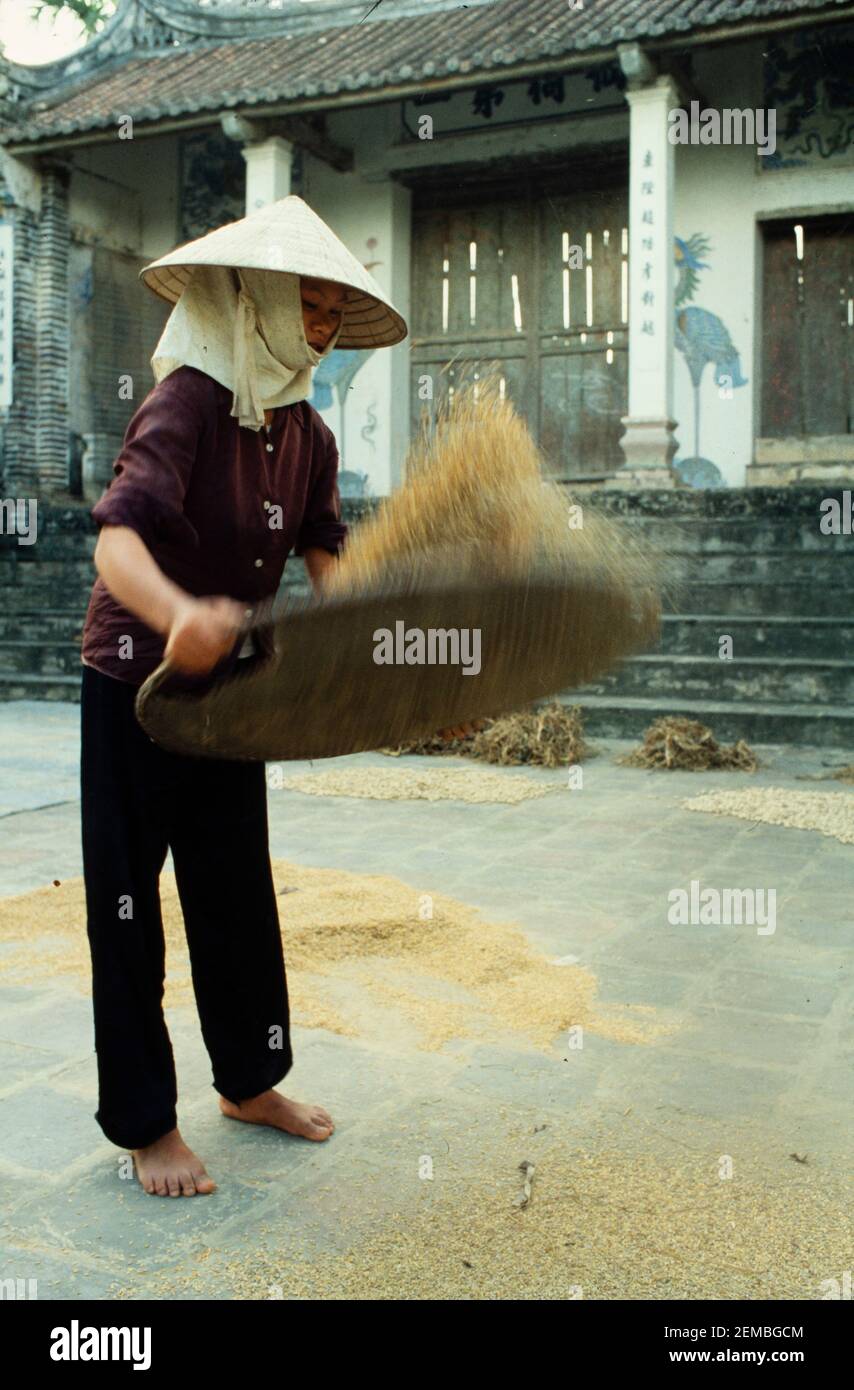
142 63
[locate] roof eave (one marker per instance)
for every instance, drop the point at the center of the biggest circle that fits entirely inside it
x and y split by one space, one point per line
373 96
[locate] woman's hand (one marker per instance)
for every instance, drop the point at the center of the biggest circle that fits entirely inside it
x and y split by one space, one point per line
203 630
198 631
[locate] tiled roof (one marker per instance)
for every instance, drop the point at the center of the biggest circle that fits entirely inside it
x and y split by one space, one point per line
388 49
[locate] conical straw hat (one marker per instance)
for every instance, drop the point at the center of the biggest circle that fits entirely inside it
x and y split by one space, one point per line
288 236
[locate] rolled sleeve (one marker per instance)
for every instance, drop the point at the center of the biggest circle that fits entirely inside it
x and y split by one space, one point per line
154 466
322 527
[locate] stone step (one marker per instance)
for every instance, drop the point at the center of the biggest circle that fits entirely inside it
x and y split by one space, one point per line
55 647
794 505
627 717
703 596
42 625
689 534
754 597
781 680
40 572
51 658
15 599
742 534
699 634
56 594
52 531
34 687
813 570
830 727
61 546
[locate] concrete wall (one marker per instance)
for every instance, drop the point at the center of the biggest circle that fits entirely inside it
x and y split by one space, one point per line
123 211
125 195
21 182
369 414
722 194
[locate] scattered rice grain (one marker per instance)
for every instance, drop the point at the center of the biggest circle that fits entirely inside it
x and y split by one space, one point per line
357 945
475 785
828 813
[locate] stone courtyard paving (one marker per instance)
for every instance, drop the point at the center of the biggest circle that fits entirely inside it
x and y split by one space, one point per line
709 1160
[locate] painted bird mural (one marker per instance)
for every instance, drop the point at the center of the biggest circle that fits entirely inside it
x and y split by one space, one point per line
701 337
336 373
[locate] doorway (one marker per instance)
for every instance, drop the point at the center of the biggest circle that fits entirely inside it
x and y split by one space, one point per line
808 328
528 274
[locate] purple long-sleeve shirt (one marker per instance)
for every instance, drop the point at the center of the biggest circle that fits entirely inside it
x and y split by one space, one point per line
218 506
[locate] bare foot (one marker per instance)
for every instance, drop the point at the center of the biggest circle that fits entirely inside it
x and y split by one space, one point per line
270 1108
168 1168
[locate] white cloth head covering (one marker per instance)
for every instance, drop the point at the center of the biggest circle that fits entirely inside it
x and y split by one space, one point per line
213 324
245 329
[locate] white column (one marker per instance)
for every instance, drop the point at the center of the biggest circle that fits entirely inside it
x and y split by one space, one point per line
369 414
649 443
268 171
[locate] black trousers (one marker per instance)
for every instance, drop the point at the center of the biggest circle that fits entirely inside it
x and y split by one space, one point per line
138 801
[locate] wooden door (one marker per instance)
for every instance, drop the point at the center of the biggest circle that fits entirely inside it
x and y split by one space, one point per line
529 278
808 327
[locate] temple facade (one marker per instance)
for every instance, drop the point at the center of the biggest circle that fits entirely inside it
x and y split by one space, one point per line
639 215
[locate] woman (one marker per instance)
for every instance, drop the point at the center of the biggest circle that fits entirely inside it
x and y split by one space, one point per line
224 468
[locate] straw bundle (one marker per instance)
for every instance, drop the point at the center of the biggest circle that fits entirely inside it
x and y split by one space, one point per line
548 737
475 506
675 743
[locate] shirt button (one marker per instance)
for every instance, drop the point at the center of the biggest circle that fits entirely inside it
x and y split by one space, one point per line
266 506
269 448
258 564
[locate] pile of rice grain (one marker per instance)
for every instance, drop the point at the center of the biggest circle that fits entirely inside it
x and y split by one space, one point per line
387 950
674 743
828 813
